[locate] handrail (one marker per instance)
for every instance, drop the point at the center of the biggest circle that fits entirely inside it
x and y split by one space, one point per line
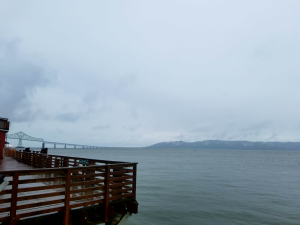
62 168
84 158
72 157
62 182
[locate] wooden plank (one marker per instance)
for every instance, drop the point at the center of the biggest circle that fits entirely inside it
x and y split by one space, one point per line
40 211
4 218
48 187
87 196
7 209
6 191
92 167
121 172
121 178
28 197
40 180
122 166
97 167
127 187
121 196
98 182
42 171
32 205
86 169
88 175
120 184
124 190
14 196
5 200
87 203
96 160
86 189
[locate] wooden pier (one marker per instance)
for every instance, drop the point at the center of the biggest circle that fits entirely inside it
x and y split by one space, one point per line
52 189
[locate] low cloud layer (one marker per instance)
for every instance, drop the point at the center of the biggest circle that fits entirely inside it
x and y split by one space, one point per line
135 73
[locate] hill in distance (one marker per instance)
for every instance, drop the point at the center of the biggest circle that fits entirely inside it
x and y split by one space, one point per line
233 145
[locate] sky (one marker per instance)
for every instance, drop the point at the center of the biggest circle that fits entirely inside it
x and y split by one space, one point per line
134 73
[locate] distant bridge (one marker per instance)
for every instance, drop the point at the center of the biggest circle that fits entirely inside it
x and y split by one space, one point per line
22 136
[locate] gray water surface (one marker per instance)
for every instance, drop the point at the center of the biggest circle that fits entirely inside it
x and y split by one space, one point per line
177 186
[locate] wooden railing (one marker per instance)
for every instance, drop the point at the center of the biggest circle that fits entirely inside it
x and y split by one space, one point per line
9 152
55 161
64 183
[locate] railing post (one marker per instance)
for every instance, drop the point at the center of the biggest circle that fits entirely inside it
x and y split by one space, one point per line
134 181
34 160
24 158
66 162
28 158
37 157
14 196
40 162
106 199
31 158
49 162
45 157
56 164
67 197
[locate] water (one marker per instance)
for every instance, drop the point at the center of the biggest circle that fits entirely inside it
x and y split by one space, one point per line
210 186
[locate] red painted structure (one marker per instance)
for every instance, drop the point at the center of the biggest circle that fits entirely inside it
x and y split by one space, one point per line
4 128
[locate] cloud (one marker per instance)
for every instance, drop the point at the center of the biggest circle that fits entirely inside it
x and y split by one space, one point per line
222 70
131 128
20 77
68 117
101 127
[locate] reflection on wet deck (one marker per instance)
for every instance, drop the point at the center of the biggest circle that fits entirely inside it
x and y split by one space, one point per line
9 163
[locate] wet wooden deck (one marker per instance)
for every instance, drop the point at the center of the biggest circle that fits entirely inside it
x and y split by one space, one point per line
9 163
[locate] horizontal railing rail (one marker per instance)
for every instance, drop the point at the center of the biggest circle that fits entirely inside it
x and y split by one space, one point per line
64 183
42 160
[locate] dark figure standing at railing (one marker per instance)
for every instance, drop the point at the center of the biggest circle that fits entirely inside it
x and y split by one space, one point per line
44 150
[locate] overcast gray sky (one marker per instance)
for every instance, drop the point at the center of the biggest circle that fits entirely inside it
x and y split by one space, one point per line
134 73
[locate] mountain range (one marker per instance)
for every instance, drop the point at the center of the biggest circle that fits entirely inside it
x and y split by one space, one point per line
234 145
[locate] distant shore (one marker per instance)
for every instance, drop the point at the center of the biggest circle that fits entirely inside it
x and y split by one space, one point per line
229 145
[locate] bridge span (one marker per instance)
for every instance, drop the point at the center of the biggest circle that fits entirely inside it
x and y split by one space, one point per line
22 136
